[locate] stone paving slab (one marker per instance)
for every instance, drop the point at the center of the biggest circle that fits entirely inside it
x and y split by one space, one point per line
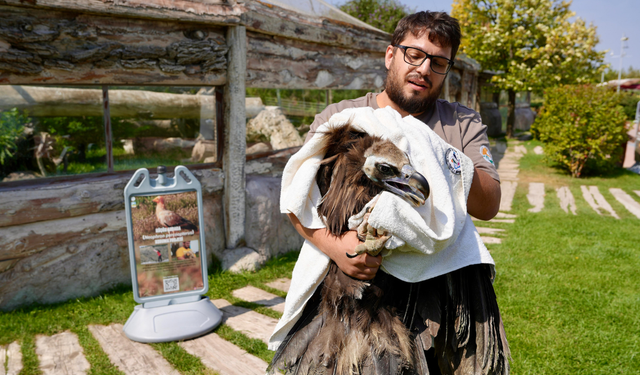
281 284
626 200
61 354
536 196
508 191
256 295
508 221
567 202
592 195
490 240
224 357
490 231
247 321
502 215
11 357
520 149
132 358
637 192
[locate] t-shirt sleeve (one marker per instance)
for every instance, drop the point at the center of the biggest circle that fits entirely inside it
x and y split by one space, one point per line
475 144
323 117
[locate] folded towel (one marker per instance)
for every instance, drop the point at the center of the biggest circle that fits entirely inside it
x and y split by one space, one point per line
428 241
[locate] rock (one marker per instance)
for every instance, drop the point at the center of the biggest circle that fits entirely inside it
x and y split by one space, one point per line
16 176
258 148
253 107
273 124
242 259
267 230
204 149
538 150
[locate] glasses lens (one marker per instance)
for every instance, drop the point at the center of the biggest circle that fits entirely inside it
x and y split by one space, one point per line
414 56
439 64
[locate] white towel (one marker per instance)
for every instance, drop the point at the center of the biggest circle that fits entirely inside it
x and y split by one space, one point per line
428 241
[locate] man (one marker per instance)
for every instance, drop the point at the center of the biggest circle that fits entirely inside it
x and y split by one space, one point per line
421 53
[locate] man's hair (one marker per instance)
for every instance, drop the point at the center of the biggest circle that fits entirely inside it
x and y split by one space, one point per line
440 26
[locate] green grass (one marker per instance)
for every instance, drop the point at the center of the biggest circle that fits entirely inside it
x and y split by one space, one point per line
115 306
568 288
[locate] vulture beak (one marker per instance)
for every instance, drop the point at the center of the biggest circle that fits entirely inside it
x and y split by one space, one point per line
410 185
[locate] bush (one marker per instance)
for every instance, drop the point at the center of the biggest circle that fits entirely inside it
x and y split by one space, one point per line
381 14
629 102
583 128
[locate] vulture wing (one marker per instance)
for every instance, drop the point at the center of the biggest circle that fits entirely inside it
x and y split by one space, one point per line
172 219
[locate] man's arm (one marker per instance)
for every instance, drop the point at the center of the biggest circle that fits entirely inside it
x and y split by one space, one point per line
363 267
484 196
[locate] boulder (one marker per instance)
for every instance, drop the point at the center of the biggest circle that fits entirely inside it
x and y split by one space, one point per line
272 124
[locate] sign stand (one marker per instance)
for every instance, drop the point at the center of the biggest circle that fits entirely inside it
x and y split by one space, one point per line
168 258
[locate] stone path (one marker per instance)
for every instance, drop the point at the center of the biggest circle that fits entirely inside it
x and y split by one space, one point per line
62 354
11 357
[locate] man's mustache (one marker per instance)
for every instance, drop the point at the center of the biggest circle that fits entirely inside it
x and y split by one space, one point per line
419 77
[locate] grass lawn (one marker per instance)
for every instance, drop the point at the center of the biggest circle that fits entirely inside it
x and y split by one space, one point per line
568 288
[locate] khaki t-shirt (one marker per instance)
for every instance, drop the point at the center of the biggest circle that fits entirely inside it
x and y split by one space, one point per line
458 125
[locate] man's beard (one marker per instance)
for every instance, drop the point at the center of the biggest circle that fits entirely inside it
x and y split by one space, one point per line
410 104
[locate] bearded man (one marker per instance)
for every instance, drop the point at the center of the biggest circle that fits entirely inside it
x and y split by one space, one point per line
418 60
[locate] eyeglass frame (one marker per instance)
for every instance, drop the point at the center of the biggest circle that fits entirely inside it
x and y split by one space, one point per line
428 56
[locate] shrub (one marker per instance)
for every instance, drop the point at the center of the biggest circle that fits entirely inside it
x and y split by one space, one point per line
381 14
583 128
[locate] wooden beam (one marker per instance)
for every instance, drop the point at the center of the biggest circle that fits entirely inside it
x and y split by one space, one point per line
50 47
212 12
274 61
23 205
269 19
233 159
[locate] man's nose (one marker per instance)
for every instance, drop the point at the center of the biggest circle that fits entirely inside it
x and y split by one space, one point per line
425 68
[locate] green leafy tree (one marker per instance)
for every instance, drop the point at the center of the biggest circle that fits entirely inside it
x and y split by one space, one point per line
381 14
630 72
12 124
583 127
532 44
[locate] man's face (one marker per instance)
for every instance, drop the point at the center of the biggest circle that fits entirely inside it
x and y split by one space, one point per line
414 88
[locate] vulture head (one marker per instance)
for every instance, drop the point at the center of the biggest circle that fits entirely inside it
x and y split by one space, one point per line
357 167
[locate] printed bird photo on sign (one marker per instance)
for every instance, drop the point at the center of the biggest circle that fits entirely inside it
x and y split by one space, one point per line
166 240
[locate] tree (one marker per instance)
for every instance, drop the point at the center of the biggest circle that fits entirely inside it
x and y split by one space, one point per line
531 44
381 14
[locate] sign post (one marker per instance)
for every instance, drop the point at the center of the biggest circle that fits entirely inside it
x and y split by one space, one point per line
168 258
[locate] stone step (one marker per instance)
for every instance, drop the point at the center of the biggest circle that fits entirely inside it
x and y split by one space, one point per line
567 202
11 358
502 215
507 221
536 196
520 149
491 231
490 240
538 150
131 357
592 195
61 354
508 191
626 200
224 357
281 284
637 192
247 321
256 295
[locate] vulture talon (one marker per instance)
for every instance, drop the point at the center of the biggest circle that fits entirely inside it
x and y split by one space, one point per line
351 256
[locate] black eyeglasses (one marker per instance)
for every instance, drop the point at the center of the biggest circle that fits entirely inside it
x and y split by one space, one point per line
416 57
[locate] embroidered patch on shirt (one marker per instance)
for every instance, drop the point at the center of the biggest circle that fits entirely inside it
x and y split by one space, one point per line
486 154
453 161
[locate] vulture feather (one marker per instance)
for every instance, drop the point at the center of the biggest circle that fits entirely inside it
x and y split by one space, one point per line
386 326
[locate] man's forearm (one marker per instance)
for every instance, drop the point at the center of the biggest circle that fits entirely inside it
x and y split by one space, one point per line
484 196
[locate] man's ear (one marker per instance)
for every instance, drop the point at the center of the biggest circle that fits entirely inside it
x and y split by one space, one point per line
388 56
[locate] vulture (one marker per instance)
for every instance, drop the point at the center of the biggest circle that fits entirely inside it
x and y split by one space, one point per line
385 326
171 219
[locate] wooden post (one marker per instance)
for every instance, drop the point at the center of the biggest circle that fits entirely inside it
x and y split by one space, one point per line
108 138
234 152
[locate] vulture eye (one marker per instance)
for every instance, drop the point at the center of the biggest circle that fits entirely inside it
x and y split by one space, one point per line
385 169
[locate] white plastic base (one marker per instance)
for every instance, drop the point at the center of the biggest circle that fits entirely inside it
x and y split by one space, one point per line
172 322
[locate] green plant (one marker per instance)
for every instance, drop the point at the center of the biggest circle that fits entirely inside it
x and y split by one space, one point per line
12 124
629 102
583 128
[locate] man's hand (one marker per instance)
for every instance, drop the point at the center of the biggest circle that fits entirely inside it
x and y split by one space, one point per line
484 196
363 267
